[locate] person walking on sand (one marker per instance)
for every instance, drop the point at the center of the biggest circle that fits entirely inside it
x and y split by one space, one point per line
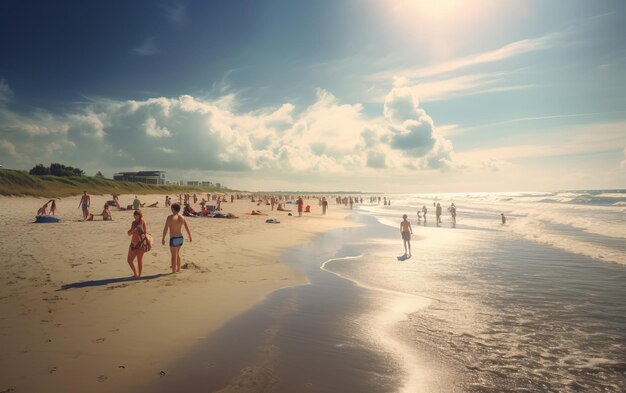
503 218
324 205
406 231
138 243
85 202
174 223
300 204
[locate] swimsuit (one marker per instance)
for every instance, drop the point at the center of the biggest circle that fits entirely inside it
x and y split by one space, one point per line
406 235
176 241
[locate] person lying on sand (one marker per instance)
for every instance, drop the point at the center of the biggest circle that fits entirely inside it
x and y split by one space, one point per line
155 204
258 213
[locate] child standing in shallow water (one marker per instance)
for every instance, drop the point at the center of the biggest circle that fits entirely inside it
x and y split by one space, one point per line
174 224
406 231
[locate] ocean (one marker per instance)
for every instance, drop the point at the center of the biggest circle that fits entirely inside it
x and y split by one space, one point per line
535 305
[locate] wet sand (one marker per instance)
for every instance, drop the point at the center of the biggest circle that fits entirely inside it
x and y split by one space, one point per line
71 319
329 335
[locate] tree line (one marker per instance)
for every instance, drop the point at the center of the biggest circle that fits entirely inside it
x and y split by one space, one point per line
55 169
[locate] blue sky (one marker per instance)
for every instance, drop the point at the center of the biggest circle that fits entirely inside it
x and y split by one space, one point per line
398 95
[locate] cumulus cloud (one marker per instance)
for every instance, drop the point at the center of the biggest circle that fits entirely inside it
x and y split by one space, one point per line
153 130
192 134
414 133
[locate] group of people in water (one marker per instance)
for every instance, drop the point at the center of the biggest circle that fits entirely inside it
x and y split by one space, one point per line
405 225
421 214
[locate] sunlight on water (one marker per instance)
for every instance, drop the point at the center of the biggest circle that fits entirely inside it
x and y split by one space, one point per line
529 306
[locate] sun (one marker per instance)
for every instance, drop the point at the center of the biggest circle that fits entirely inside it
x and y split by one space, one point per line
431 9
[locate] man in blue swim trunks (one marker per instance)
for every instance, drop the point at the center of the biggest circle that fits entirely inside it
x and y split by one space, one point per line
174 224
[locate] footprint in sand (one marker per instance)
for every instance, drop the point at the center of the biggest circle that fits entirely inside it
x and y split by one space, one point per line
52 370
102 378
99 340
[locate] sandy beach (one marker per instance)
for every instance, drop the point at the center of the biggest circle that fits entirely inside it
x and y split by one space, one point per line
73 321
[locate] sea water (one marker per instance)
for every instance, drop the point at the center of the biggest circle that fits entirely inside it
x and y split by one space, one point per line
537 304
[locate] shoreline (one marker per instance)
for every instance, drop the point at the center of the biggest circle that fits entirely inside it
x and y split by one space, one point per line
107 332
333 334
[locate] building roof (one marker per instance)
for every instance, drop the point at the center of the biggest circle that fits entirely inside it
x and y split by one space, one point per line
140 173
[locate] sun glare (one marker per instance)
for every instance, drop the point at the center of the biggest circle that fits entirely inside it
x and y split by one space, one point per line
433 9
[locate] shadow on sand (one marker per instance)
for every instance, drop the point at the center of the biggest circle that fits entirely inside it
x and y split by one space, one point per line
107 281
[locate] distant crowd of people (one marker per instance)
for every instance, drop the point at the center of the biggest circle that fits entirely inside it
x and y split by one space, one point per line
141 241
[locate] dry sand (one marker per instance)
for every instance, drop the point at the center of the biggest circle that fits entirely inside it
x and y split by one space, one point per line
108 334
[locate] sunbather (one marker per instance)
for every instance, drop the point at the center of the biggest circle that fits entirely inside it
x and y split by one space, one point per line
281 208
106 214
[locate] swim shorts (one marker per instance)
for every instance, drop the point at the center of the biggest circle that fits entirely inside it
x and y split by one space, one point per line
406 235
176 241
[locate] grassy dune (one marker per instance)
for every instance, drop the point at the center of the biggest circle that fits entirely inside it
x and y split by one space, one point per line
20 183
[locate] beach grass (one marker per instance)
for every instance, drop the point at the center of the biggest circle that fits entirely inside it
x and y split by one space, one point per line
20 183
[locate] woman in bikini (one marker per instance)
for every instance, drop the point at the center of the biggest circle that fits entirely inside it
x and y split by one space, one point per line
138 243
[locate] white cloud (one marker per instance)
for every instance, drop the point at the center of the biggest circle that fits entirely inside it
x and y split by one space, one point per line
153 130
8 148
512 49
555 142
147 48
192 134
439 89
413 132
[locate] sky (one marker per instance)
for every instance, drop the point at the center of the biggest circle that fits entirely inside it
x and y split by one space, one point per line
326 95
